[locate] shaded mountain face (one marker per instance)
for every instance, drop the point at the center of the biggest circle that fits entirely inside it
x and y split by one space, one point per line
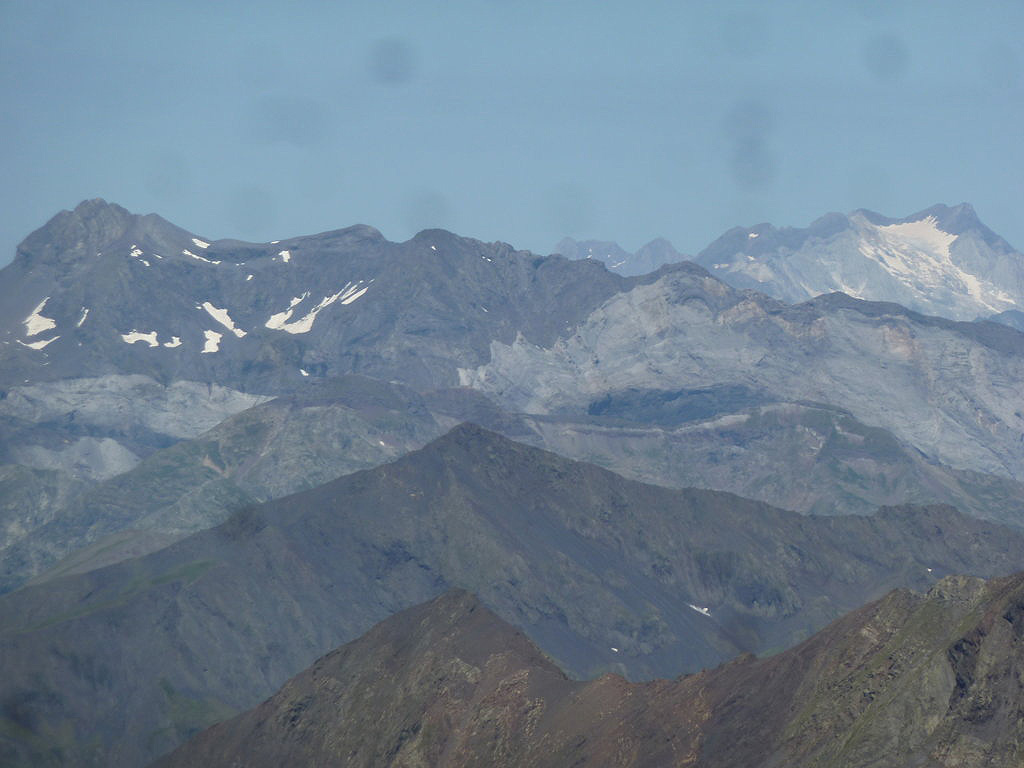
909 680
940 261
1011 317
120 664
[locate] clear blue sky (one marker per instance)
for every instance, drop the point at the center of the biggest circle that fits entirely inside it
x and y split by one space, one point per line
513 120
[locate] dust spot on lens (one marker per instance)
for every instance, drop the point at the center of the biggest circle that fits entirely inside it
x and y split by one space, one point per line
748 128
569 210
428 209
392 61
745 35
295 120
167 176
886 57
252 212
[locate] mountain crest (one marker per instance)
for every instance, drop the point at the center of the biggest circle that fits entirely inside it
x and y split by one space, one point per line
94 225
939 261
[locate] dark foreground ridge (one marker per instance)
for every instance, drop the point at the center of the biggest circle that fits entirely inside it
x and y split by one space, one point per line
909 680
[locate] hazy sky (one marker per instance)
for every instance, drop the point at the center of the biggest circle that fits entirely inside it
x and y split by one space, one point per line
517 121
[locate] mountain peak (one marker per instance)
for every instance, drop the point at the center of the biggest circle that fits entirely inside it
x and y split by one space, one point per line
91 227
955 220
941 260
952 219
97 206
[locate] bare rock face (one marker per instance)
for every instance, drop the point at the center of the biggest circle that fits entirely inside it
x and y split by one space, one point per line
808 457
910 680
949 389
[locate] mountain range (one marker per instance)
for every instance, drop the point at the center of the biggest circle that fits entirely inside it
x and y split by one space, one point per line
672 377
118 664
941 261
219 460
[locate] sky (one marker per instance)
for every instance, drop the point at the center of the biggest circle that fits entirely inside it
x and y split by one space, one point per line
516 121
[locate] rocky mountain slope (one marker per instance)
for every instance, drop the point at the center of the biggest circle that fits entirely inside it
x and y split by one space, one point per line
809 458
940 261
117 665
949 389
912 679
335 426
99 290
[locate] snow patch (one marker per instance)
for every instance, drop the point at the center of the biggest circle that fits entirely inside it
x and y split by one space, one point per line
174 342
922 236
698 609
433 247
85 314
248 278
222 317
303 371
35 323
37 344
281 321
614 649
200 243
351 294
187 252
286 256
752 235
136 253
278 321
134 336
917 253
212 342
274 242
